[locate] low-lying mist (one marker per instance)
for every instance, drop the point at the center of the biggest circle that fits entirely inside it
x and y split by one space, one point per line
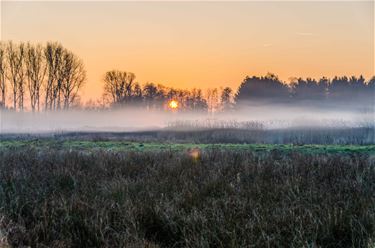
137 119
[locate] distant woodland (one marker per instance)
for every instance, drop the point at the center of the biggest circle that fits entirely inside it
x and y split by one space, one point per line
49 77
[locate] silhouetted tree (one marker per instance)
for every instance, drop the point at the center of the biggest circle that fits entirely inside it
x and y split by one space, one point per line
3 70
199 103
371 85
339 88
73 77
194 101
358 88
352 91
53 53
15 58
150 93
118 86
226 99
309 89
212 100
137 96
32 68
65 77
267 89
370 90
35 71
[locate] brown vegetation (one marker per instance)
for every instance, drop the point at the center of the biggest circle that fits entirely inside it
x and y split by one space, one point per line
170 199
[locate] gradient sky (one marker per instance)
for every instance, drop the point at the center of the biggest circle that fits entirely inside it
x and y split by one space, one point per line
201 44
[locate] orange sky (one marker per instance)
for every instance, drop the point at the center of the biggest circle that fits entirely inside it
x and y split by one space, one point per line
202 44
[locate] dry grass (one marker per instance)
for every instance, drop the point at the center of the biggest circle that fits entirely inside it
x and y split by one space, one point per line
221 198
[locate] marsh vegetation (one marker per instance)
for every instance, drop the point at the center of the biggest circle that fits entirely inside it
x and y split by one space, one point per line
191 196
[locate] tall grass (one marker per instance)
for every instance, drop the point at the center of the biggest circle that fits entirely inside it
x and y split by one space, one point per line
166 199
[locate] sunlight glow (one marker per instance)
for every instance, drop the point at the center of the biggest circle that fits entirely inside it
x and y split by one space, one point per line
173 104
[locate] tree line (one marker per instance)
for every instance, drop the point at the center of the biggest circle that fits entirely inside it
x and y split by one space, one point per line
338 90
49 75
121 90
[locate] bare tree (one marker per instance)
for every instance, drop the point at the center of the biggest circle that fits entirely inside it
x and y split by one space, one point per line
3 69
73 77
118 86
212 100
110 86
137 98
15 57
35 71
150 93
198 102
53 53
226 99
21 76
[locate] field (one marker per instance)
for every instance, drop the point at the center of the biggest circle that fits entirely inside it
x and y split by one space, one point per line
126 146
74 191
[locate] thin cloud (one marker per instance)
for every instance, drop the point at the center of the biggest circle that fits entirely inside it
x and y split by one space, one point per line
267 45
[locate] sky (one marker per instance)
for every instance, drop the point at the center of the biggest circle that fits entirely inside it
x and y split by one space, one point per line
187 44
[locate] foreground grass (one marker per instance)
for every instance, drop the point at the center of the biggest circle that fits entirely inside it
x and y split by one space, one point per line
174 198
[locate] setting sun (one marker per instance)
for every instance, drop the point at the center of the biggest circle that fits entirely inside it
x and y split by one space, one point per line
173 104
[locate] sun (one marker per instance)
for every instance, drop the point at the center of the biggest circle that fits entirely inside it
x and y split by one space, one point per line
173 104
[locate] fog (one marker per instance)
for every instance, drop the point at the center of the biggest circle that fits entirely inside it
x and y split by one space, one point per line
270 116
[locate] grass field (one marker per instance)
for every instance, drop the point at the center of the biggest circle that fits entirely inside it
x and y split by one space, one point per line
79 192
118 146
